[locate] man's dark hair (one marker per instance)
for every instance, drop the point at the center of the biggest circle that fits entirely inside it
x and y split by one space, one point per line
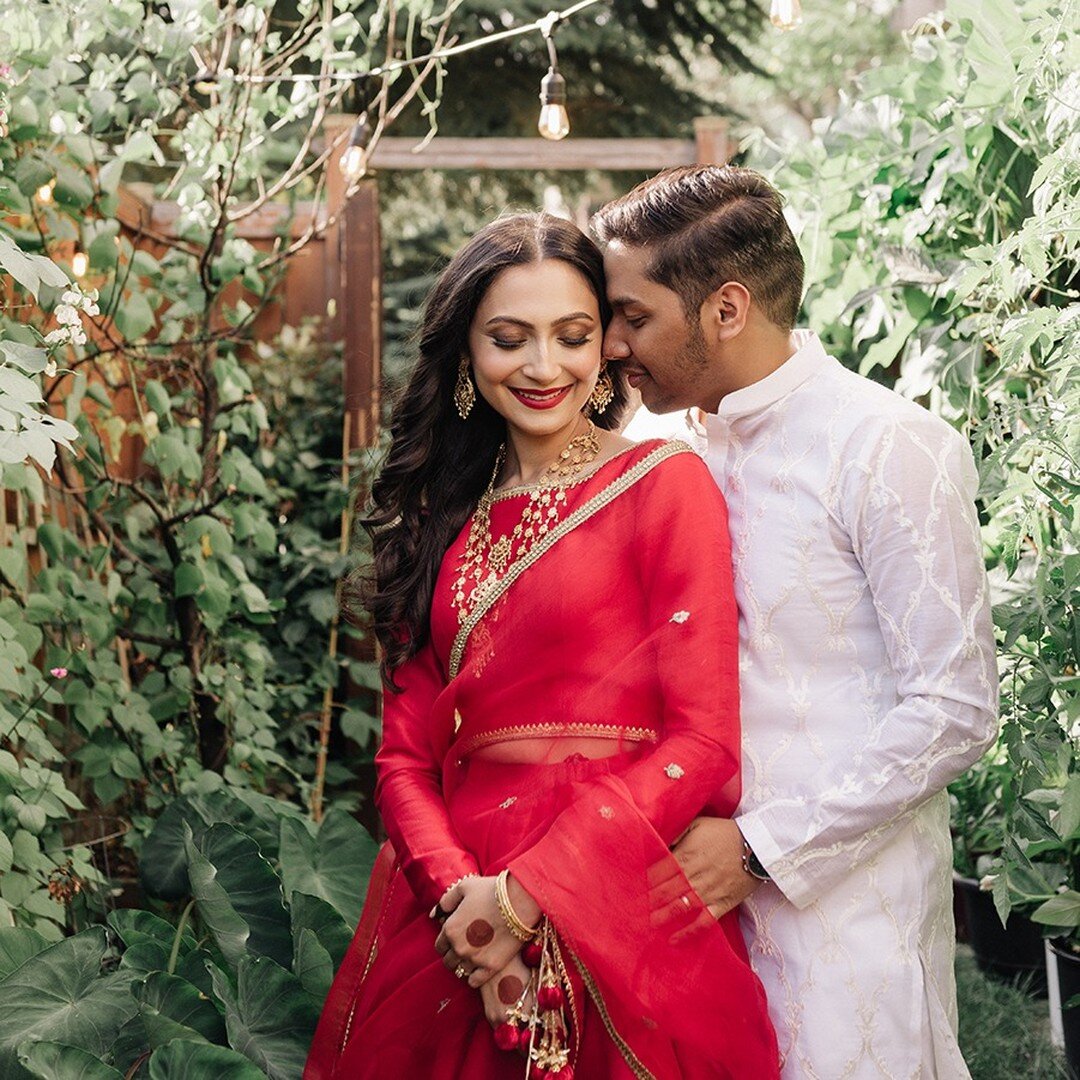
707 224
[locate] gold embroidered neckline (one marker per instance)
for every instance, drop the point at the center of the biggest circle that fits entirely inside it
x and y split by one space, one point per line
524 489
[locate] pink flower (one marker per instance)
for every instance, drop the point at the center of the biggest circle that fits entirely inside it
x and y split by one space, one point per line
58 672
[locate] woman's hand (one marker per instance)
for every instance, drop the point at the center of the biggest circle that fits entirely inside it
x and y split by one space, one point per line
504 990
475 934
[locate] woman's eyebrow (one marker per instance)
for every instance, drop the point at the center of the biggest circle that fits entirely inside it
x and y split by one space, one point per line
572 317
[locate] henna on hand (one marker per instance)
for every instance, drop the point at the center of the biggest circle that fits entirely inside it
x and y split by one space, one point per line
510 988
479 932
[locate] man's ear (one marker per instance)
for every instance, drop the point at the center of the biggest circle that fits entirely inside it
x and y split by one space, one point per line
725 311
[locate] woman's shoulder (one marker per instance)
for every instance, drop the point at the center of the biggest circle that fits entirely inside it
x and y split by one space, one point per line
668 457
668 466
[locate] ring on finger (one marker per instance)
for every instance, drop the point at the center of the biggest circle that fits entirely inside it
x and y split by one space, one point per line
461 971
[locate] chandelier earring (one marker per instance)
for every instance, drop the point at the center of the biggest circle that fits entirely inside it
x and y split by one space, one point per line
464 393
603 392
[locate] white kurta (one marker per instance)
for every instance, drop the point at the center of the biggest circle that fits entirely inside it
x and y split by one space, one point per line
869 682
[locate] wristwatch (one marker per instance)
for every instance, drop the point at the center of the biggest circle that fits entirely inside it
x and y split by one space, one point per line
752 864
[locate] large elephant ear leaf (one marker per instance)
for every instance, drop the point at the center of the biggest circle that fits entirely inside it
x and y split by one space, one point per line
54 1061
183 1060
238 895
334 866
311 913
60 995
163 864
17 945
270 1017
172 1008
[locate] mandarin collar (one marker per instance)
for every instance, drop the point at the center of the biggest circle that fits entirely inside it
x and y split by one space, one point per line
809 357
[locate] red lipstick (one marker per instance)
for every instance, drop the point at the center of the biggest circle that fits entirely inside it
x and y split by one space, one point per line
541 399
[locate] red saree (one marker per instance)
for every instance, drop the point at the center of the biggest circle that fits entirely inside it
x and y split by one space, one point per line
617 630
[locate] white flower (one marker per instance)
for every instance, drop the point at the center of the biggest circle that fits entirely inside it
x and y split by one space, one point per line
67 315
56 337
50 368
986 884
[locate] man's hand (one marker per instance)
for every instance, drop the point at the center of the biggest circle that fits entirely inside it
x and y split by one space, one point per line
710 853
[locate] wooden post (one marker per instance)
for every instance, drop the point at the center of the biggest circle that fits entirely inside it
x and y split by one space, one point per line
713 138
361 298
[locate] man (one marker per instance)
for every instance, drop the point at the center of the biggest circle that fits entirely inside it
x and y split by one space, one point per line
868 671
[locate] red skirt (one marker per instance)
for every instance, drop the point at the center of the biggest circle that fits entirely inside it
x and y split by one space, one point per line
395 1011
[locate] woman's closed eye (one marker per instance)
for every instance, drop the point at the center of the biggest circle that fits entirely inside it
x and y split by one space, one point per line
516 343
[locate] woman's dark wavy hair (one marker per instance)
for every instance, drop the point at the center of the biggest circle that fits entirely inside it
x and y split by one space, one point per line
438 465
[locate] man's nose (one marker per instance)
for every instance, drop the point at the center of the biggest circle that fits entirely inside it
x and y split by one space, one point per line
615 347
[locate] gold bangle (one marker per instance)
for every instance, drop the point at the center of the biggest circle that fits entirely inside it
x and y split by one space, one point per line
506 909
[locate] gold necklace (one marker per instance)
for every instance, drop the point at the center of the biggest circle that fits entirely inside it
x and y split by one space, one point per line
486 560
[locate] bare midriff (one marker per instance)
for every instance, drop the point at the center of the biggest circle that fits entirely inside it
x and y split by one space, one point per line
552 751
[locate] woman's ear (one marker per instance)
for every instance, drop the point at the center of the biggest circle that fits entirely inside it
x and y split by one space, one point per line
724 312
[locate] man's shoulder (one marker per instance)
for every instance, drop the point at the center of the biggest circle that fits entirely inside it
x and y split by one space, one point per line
868 413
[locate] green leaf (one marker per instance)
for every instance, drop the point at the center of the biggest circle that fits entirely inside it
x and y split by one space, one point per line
334 866
135 927
60 995
7 855
311 913
238 895
17 945
134 317
270 1018
55 1061
32 173
185 1060
163 866
312 964
1061 910
157 397
171 1008
1068 818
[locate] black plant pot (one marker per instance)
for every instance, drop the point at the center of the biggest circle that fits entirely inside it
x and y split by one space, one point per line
1013 952
1068 977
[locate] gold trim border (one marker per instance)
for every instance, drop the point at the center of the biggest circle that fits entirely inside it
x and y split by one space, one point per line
546 729
578 517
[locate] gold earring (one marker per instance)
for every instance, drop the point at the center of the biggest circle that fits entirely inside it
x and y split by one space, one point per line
464 394
603 392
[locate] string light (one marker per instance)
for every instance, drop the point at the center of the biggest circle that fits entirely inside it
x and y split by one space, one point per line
554 122
786 14
44 193
80 263
354 161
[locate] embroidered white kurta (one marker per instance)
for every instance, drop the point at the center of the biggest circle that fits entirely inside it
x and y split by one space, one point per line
868 682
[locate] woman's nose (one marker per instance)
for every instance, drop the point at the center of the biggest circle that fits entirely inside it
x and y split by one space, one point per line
542 365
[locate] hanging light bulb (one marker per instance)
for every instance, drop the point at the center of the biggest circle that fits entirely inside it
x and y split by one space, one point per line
786 14
80 263
354 160
44 193
554 123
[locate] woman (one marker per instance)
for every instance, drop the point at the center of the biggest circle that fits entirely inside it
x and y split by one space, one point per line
556 609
